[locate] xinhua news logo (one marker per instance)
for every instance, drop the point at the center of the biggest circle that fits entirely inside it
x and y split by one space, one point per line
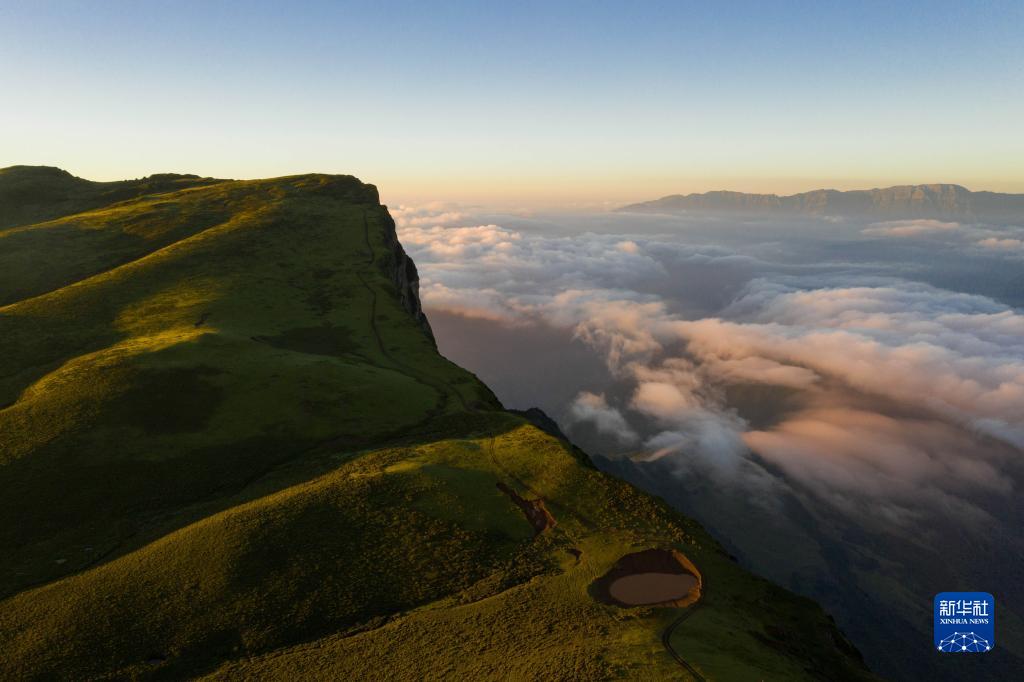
965 622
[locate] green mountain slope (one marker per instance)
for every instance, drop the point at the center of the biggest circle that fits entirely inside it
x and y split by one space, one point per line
38 193
229 447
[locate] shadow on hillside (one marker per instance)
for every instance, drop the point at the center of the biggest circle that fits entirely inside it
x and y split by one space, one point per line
141 501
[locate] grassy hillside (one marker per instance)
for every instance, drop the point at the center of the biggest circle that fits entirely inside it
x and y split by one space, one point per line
38 193
229 447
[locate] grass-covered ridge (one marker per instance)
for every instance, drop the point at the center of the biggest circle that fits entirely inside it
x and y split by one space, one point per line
229 447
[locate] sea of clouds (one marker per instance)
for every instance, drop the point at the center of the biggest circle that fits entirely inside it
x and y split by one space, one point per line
917 371
874 370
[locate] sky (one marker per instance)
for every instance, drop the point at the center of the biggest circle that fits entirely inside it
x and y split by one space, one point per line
524 104
498 131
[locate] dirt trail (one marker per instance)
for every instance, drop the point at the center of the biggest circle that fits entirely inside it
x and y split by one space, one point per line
666 641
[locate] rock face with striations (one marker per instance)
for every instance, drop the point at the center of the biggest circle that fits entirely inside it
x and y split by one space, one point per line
403 273
901 201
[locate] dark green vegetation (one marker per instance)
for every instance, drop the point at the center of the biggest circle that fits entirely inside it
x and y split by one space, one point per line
229 447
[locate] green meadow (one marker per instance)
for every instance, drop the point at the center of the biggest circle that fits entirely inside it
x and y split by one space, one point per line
229 448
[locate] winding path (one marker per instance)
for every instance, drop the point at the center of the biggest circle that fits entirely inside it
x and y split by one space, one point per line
666 638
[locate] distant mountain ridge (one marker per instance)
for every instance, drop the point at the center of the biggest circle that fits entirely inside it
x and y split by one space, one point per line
901 201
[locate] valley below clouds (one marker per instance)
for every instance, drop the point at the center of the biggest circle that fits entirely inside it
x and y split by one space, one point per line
841 399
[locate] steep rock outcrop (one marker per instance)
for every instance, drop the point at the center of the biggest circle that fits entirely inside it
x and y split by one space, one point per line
402 271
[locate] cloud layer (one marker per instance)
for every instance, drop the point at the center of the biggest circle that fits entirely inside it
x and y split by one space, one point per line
900 397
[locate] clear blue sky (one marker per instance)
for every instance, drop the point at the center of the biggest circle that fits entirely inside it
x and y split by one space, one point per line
521 102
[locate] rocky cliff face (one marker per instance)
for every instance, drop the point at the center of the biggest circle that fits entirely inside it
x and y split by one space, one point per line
402 271
902 201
